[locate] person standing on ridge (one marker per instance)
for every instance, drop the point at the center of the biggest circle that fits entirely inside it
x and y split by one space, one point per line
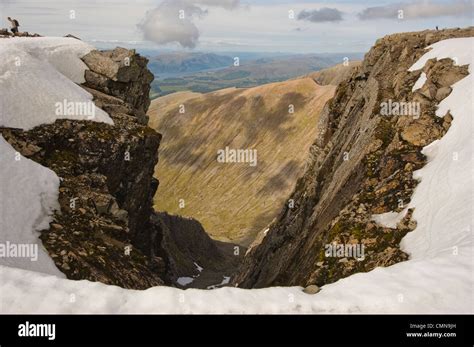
14 26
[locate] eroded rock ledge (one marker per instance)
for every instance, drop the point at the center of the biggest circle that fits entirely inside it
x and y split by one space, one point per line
103 231
106 229
361 164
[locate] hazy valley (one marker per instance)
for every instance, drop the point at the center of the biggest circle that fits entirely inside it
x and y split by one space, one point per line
235 201
206 72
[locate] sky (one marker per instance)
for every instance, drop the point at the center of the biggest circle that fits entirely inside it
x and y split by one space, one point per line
300 26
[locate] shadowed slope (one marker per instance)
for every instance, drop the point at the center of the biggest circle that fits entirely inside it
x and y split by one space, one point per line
234 201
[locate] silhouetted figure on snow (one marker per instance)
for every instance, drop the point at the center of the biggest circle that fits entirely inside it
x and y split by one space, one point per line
14 26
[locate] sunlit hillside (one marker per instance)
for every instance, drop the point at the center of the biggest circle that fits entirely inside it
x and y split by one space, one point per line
234 201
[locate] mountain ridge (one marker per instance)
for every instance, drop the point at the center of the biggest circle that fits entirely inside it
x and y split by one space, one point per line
370 160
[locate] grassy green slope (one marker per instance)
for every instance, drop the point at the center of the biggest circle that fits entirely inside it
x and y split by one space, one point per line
235 201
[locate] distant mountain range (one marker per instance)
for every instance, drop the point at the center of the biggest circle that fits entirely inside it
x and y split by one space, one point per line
176 63
207 72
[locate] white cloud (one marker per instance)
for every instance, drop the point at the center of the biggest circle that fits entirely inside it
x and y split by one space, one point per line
173 20
322 15
251 25
229 4
419 9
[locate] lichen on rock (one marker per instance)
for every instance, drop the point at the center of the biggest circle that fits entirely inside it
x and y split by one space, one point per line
103 230
361 164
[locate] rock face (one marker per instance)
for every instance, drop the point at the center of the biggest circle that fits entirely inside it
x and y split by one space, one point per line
361 164
103 231
190 252
123 74
5 33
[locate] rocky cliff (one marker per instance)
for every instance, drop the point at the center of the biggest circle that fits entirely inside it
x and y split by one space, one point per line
106 229
360 165
103 231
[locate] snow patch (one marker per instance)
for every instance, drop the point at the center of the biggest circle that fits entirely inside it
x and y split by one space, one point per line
36 74
198 267
225 280
389 219
184 281
420 82
28 196
443 200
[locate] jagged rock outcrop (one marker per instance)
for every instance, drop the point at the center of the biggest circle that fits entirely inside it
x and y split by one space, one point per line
4 33
361 164
103 231
123 74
